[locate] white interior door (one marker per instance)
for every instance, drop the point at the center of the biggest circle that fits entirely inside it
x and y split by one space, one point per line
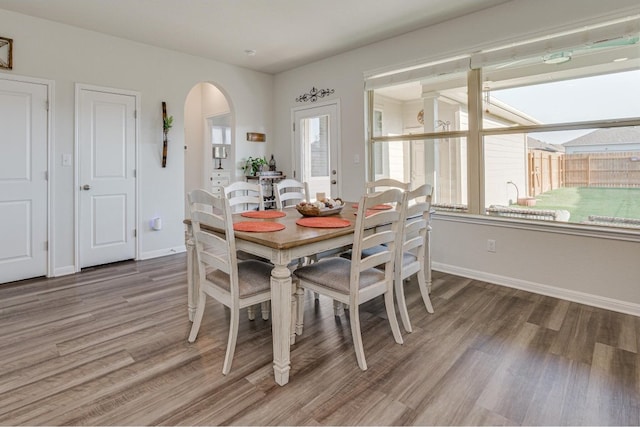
316 148
106 176
23 180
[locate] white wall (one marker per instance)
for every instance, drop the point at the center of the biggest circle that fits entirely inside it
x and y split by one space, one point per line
606 270
193 142
505 160
69 55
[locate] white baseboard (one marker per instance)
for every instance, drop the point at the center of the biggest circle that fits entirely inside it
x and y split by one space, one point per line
64 271
537 288
163 252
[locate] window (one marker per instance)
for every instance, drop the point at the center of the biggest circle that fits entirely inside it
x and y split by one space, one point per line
219 129
380 155
422 137
549 137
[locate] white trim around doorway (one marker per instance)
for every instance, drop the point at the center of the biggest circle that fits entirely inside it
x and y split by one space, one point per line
79 87
50 84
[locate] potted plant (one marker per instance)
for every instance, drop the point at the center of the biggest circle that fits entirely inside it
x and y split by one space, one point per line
254 165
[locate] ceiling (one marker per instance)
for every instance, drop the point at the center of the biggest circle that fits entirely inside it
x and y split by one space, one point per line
283 33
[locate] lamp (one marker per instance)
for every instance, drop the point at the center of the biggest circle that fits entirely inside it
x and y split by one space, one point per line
219 153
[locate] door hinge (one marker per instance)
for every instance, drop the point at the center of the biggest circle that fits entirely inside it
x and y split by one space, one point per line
46 105
46 175
135 114
135 232
46 246
135 174
294 126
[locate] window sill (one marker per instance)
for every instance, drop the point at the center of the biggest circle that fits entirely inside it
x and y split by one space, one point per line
582 230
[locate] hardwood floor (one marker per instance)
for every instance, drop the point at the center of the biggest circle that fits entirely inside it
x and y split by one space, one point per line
109 346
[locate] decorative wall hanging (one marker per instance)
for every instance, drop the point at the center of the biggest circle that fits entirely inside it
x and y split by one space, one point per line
255 137
6 53
167 123
314 94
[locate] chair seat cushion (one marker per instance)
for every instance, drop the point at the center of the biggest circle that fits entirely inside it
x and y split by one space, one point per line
254 277
334 273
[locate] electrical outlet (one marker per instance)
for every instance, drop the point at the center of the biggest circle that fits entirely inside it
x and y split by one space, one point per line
491 245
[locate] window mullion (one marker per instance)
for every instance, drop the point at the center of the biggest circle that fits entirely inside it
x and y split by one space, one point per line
475 163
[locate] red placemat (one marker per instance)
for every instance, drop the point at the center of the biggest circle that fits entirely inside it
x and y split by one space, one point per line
258 226
376 207
323 222
263 214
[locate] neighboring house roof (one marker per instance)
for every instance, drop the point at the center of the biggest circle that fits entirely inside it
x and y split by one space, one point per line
536 144
624 135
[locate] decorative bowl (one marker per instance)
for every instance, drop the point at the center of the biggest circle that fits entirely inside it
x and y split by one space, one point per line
311 210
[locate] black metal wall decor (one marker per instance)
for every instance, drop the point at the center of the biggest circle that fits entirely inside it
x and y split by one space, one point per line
314 94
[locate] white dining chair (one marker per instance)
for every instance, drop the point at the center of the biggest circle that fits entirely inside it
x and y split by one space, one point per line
289 192
356 281
385 184
236 284
244 196
413 256
370 187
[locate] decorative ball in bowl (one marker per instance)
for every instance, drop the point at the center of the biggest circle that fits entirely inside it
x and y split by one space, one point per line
324 208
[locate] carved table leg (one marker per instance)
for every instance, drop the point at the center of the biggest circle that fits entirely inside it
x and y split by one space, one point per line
281 306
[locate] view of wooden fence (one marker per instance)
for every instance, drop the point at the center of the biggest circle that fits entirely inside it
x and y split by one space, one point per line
548 170
620 170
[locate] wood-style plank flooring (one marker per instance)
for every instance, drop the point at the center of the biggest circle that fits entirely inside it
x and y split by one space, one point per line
108 347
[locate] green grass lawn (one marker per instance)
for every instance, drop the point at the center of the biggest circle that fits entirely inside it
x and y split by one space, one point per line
584 201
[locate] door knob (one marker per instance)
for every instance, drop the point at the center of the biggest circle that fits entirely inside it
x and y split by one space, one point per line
333 181
333 172
86 187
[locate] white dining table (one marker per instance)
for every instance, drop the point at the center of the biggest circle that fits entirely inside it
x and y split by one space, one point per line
280 248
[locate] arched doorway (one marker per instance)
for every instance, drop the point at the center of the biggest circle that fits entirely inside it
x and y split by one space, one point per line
209 122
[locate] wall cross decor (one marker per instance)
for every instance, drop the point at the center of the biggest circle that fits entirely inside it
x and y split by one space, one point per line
314 94
167 123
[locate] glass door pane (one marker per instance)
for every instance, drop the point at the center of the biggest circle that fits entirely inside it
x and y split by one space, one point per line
316 149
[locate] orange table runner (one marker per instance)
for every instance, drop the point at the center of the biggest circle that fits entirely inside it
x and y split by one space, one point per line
258 226
263 214
323 222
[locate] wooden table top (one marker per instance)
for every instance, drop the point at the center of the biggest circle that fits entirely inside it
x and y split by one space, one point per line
294 235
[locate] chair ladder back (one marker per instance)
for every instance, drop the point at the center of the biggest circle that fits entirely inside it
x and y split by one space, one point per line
380 226
290 192
385 184
214 249
241 193
414 232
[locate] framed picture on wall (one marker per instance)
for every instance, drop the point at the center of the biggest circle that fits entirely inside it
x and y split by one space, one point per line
6 53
